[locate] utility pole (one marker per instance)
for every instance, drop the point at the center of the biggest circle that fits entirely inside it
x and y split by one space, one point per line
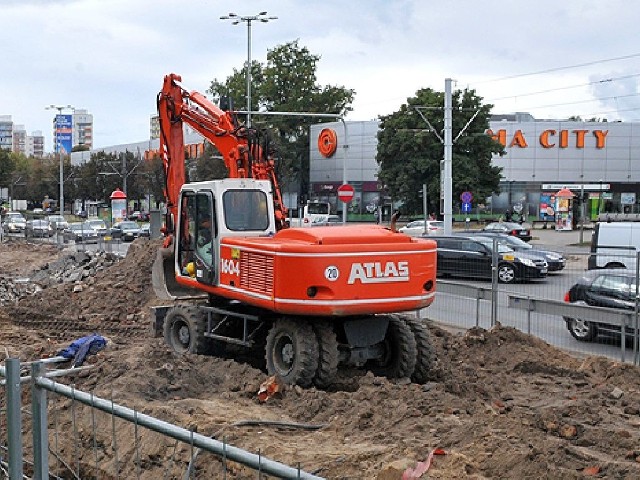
448 149
56 141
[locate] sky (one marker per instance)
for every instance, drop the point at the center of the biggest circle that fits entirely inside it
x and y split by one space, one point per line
549 58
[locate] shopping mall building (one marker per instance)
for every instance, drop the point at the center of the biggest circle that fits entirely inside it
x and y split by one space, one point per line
598 160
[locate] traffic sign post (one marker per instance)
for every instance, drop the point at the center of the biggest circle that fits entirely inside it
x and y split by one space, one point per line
346 193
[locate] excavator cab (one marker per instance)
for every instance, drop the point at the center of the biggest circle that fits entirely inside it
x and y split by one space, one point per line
196 252
208 212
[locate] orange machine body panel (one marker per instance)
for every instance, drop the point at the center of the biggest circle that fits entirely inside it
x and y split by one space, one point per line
338 270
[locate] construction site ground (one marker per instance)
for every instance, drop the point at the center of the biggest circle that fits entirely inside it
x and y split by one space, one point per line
499 404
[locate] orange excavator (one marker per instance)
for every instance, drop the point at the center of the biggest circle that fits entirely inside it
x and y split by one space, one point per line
308 300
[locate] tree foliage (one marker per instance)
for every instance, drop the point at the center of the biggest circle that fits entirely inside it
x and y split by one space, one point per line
7 166
287 83
410 153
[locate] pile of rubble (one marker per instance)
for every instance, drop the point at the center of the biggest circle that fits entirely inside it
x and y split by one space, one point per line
76 267
13 290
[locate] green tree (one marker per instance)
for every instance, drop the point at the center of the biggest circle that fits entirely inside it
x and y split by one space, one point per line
287 83
7 167
210 165
410 152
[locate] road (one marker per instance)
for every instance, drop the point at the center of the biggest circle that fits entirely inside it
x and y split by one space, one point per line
466 312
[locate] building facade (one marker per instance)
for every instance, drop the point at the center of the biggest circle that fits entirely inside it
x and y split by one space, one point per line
19 139
6 132
598 161
82 128
35 144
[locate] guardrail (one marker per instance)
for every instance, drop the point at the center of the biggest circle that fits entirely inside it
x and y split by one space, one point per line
623 319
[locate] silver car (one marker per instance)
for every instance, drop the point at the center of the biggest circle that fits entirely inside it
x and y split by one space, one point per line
418 228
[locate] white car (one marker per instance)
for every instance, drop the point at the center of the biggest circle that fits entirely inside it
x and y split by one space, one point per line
14 222
98 225
417 228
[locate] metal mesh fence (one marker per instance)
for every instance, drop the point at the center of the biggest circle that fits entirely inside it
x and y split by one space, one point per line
466 302
71 434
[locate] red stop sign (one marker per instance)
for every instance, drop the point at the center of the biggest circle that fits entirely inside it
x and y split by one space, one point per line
345 193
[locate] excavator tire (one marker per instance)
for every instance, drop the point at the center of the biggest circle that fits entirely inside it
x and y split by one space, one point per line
184 328
425 357
328 354
400 355
292 351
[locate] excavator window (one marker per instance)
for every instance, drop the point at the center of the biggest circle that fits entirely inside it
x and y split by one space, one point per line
245 210
197 252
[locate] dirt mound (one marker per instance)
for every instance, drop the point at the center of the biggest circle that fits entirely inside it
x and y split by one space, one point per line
501 404
112 301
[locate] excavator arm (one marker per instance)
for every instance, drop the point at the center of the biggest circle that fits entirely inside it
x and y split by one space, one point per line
243 155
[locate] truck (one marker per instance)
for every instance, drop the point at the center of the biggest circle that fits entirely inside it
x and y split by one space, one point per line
614 245
314 214
305 301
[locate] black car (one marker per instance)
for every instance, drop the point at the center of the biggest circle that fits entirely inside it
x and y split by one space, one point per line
612 288
510 228
471 256
555 260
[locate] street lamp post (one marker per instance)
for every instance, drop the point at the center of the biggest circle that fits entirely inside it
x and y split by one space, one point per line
248 19
56 141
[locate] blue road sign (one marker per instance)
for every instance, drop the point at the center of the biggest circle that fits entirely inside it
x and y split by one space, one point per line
466 207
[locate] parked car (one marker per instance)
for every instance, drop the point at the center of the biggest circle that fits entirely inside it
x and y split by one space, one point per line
510 228
127 231
38 212
139 216
14 222
145 230
417 228
469 256
58 222
555 260
98 225
80 232
613 288
38 228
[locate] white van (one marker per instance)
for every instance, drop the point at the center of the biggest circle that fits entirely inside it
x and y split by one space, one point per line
614 245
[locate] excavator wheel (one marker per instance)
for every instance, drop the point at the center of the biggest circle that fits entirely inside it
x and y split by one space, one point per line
399 359
328 354
184 328
425 357
292 351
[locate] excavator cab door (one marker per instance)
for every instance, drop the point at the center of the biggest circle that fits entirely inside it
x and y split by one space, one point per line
197 253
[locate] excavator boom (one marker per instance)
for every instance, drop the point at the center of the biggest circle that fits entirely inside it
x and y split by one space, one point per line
243 156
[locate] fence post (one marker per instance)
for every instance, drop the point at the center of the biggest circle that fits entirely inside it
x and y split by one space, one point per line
40 423
494 283
636 311
14 418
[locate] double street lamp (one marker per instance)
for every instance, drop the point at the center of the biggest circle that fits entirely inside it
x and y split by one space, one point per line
56 140
248 19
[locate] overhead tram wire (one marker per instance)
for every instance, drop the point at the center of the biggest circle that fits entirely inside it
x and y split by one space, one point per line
557 69
581 101
550 90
